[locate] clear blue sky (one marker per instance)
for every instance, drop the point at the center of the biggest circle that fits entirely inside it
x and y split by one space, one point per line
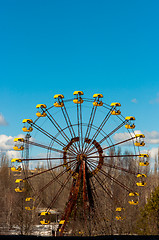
54 46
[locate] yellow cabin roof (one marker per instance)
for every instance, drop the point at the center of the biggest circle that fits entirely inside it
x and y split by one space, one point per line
27 120
144 155
40 105
78 92
140 135
59 95
141 175
115 104
130 118
19 180
19 139
45 222
143 163
29 208
20 190
133 194
119 209
44 213
62 222
98 95
16 160
29 199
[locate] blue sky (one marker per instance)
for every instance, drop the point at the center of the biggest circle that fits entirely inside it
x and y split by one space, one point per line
49 47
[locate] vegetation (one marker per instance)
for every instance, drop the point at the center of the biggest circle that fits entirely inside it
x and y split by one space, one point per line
141 219
148 222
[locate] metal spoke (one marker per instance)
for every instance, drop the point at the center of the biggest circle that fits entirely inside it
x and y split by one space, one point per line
107 191
78 123
116 144
98 131
50 169
53 180
57 126
124 155
69 124
45 147
117 167
115 180
108 135
92 116
50 136
43 159
81 127
59 191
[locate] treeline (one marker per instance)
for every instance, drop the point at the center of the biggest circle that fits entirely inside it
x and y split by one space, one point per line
142 218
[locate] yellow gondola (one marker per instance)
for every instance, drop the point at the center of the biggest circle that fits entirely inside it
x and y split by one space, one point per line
130 122
142 182
115 106
144 163
60 224
133 201
41 112
27 127
45 218
59 102
21 187
16 168
78 99
19 144
120 213
139 140
97 102
30 200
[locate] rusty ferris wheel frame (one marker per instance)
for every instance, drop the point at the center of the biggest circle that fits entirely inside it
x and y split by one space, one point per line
82 150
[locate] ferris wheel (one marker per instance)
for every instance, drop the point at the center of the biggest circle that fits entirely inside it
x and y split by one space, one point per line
86 161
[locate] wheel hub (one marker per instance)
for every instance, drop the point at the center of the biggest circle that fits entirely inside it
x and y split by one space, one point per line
81 157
